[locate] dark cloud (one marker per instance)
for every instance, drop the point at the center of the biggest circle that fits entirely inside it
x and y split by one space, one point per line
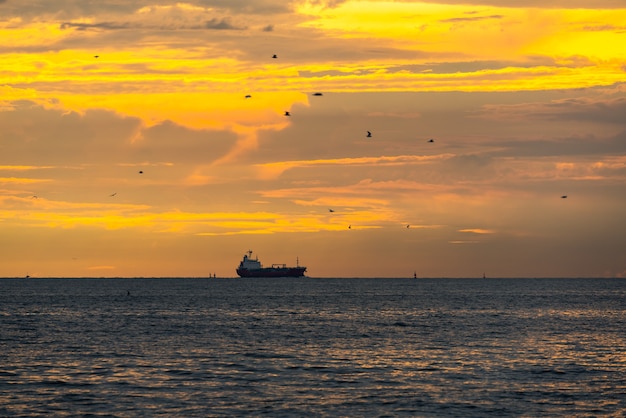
472 66
471 19
101 25
262 7
583 145
221 24
215 23
608 111
68 9
604 28
71 9
451 67
327 3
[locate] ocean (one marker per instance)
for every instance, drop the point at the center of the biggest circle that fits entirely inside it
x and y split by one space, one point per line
313 347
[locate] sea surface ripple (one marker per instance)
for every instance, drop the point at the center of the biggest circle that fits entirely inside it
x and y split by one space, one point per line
313 347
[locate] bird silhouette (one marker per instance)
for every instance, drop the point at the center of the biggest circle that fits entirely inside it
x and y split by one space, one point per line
248 96
274 56
140 172
317 94
330 210
113 194
564 196
96 56
287 113
431 140
369 134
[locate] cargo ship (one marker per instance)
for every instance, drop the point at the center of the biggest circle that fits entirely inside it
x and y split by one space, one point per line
252 267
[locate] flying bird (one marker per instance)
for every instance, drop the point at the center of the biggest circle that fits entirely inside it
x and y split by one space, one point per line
330 210
564 196
317 94
431 140
408 226
248 96
96 56
140 172
369 134
287 113
113 194
274 56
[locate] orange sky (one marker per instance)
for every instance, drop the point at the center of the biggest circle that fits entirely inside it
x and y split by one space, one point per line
525 104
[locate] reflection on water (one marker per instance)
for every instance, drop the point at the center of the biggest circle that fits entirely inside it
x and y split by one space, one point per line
336 347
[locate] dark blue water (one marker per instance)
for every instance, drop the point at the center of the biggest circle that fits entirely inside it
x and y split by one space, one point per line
312 347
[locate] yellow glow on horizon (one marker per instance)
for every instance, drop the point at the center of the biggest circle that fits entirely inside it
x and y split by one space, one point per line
273 170
196 110
578 32
425 26
479 231
213 223
488 32
22 167
38 33
21 180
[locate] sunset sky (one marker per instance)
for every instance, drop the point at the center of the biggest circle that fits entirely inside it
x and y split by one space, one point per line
128 147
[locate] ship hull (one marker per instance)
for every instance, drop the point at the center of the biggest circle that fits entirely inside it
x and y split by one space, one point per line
272 272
